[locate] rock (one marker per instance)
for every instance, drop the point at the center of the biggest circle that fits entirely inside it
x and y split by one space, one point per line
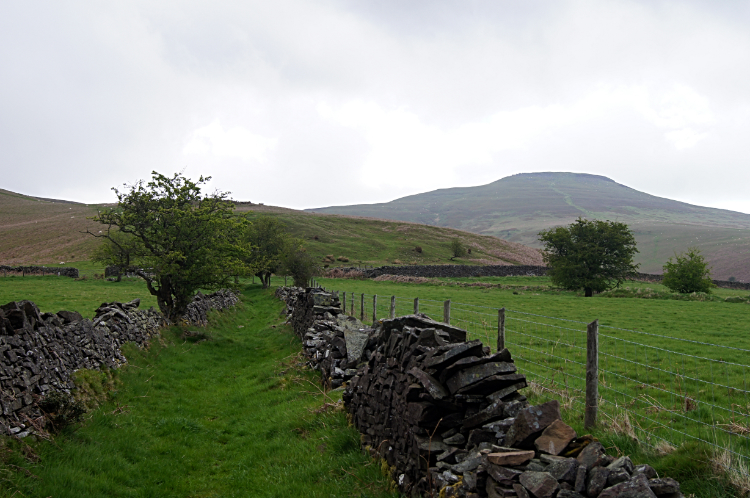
565 493
521 491
503 475
495 490
510 458
637 487
579 486
540 484
434 388
530 422
597 480
455 440
624 463
506 391
472 375
646 470
564 470
617 476
664 486
455 353
555 438
592 455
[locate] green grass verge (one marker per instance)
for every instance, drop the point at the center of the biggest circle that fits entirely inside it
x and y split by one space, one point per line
231 416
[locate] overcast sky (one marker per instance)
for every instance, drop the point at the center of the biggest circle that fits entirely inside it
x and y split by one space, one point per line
316 103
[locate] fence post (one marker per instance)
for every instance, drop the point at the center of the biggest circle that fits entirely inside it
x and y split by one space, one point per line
416 305
393 306
362 307
343 301
352 306
592 374
501 329
374 308
447 312
284 280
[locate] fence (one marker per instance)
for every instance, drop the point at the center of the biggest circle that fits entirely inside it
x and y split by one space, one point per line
664 391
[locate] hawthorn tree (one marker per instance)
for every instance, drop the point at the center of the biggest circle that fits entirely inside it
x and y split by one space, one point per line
688 272
300 265
120 250
592 255
187 241
268 241
458 250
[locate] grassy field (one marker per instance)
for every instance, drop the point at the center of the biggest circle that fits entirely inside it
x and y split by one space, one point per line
677 369
235 415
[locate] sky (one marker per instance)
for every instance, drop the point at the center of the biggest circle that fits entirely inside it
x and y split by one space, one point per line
315 103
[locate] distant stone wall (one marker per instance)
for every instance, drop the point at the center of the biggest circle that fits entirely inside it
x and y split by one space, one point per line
40 351
39 270
461 271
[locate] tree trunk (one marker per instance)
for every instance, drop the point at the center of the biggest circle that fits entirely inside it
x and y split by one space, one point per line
588 291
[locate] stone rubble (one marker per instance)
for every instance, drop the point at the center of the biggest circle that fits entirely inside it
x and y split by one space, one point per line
40 351
446 415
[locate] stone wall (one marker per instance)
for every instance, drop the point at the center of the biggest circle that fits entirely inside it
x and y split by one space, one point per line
447 416
40 351
39 270
460 271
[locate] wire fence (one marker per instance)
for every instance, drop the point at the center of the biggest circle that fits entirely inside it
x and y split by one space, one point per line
665 391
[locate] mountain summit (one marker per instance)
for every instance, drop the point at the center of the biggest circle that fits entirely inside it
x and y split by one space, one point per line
517 207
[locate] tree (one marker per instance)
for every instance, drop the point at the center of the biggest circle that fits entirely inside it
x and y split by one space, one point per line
592 255
189 241
458 249
120 250
300 265
267 241
687 272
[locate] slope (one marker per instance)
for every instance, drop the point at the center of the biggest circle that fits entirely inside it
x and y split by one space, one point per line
516 208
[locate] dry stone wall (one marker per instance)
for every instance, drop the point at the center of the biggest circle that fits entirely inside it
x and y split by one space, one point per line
40 351
39 270
447 416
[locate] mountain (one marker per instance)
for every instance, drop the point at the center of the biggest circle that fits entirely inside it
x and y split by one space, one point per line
517 207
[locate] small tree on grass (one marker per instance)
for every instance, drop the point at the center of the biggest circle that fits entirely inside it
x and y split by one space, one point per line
267 241
120 250
458 250
187 241
592 255
687 272
301 266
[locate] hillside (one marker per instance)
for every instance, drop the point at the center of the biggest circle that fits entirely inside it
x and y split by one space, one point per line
48 231
36 230
517 207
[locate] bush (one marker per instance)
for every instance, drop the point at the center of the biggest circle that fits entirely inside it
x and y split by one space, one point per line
60 410
301 267
688 272
457 248
418 249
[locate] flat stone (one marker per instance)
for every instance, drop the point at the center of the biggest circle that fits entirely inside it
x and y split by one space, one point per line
491 383
555 438
530 423
637 487
617 476
434 388
664 486
503 475
455 440
644 469
472 375
564 469
624 462
493 412
521 491
597 480
592 455
510 458
496 490
568 493
506 391
579 486
468 464
456 353
540 484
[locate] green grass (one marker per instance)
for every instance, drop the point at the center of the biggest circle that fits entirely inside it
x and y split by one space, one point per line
674 389
232 416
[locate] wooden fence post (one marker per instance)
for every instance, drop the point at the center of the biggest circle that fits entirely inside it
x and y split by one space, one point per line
447 312
374 308
416 305
592 374
362 307
343 301
284 280
393 306
501 329
351 306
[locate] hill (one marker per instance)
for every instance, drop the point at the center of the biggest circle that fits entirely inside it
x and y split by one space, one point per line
517 207
44 231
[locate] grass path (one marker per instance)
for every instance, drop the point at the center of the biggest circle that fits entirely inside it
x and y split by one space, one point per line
227 417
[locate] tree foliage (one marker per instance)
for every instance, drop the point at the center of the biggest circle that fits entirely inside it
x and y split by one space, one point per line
301 266
188 241
458 249
592 255
687 272
119 249
268 241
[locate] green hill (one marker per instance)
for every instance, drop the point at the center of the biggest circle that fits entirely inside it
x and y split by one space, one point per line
48 231
517 207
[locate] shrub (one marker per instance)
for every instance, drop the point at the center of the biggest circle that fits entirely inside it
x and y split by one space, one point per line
688 272
60 410
457 248
418 249
300 266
